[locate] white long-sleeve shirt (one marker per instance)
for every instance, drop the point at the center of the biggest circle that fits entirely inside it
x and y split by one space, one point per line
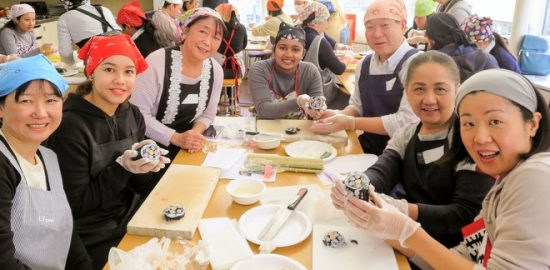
404 114
74 26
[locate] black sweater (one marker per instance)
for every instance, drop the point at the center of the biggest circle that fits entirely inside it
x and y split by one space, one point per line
87 143
9 179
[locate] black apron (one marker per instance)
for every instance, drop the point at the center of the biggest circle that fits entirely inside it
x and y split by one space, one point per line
429 183
185 114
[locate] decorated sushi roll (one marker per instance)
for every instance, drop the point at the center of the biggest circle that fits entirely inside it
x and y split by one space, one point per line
358 184
174 212
317 103
334 239
150 152
291 130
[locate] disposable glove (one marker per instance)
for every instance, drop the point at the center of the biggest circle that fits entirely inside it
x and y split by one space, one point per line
139 166
381 219
333 123
402 205
339 195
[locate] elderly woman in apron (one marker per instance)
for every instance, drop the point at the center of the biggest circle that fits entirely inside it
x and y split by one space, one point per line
284 83
35 214
320 52
179 94
97 142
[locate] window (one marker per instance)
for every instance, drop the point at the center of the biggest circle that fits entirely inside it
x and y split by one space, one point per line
546 26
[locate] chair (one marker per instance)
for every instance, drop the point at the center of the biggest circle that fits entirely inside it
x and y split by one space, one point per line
230 101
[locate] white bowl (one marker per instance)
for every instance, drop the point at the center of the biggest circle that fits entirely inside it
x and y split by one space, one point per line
267 142
245 191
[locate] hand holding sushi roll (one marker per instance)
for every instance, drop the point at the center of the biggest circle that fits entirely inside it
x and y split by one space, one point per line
149 158
381 219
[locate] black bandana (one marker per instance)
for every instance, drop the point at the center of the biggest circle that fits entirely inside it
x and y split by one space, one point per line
286 31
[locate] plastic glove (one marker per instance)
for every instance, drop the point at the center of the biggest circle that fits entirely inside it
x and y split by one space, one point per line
334 123
402 205
381 219
341 46
339 195
126 160
303 100
417 40
47 49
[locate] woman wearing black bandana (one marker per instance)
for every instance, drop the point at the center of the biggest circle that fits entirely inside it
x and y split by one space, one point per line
283 84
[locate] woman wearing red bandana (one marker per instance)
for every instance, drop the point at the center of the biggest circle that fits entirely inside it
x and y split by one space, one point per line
178 95
96 145
134 23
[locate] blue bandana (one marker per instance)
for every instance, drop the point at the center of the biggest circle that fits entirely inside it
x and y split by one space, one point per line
16 73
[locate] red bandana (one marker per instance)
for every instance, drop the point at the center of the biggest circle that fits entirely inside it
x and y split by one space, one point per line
131 14
98 48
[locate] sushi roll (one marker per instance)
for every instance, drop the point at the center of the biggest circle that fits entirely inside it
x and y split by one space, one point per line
334 239
358 184
174 212
150 152
317 103
291 130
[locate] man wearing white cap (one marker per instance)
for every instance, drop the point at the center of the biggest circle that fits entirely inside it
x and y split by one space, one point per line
168 32
378 105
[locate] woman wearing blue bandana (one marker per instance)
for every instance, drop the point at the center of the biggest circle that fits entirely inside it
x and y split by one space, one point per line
36 224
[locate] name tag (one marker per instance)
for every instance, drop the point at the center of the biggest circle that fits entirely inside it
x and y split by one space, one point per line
389 84
191 99
432 154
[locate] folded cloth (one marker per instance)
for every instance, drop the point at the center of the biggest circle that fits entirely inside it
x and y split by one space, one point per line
226 245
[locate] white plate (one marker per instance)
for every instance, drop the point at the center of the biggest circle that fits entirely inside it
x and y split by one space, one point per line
69 72
268 262
310 149
296 229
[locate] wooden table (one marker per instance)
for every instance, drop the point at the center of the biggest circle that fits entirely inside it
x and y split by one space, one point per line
347 79
221 205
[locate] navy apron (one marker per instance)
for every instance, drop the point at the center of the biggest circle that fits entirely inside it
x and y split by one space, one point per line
377 101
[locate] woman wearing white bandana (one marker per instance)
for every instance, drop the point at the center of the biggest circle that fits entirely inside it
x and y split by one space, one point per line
178 95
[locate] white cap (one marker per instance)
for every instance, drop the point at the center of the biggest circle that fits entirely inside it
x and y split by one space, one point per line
177 2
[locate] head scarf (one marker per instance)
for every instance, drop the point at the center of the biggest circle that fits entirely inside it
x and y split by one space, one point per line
131 14
16 73
503 83
329 5
479 29
175 2
444 29
225 11
320 11
286 31
386 9
424 8
191 15
69 4
98 48
274 5
20 9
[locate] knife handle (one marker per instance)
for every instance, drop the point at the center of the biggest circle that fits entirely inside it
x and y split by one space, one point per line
301 194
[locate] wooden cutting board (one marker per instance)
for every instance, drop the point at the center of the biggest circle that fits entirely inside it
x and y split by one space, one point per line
190 186
279 126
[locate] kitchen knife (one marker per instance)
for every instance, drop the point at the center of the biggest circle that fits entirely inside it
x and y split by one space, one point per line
279 219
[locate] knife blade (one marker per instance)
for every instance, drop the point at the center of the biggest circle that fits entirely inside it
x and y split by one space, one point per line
279 219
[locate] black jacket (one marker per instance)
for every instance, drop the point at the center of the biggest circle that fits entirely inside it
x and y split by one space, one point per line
99 190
